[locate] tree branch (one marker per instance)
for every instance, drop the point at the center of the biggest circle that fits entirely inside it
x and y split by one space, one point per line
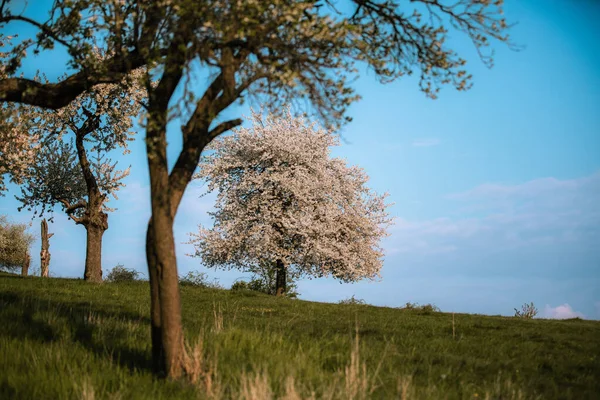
224 127
42 27
57 95
71 208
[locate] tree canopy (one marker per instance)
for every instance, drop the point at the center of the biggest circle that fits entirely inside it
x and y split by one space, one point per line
60 173
14 244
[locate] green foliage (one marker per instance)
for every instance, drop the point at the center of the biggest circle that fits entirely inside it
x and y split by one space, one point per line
353 301
62 338
199 279
528 311
266 284
240 285
121 274
14 244
424 309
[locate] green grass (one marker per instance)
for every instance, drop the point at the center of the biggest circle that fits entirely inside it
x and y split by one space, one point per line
62 339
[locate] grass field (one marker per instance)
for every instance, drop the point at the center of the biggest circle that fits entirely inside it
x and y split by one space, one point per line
62 339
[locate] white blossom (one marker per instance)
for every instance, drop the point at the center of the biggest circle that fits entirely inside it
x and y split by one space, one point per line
281 196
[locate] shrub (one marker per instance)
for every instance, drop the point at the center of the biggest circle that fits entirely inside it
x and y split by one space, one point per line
263 284
528 311
240 285
199 279
423 309
121 274
353 301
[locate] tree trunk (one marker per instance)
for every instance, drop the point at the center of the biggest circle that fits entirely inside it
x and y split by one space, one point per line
173 350
93 251
25 266
45 253
161 250
158 358
280 280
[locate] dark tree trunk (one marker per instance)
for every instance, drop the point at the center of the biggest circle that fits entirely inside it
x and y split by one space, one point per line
173 350
94 219
93 250
162 262
280 280
158 358
45 253
25 266
166 191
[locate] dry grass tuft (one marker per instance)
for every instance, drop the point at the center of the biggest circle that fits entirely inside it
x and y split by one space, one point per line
202 372
255 387
218 318
87 390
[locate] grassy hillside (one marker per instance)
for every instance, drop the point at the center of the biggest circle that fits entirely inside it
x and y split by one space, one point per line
62 339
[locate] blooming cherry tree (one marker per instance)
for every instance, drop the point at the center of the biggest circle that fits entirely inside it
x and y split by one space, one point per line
98 121
306 53
283 200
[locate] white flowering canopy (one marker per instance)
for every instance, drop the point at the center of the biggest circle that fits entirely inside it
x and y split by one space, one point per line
100 118
281 196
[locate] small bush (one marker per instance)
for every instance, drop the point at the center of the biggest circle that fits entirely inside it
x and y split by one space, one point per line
121 274
199 279
240 285
353 301
528 311
423 309
262 285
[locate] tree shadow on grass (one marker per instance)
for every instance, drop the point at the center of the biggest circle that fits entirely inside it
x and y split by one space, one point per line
47 321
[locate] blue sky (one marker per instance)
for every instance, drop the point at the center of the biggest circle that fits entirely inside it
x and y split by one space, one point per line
496 190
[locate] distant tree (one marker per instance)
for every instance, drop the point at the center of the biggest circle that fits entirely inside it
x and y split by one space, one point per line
283 203
14 244
98 121
307 52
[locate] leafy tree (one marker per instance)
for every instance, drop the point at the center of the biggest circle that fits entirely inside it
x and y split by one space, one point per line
283 203
278 52
64 174
14 244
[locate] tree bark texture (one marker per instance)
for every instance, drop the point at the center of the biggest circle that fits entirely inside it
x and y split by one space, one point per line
158 357
280 280
168 351
45 253
94 219
25 266
93 251
162 262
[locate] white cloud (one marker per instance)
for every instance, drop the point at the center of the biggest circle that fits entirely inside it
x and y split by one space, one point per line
535 216
426 142
563 311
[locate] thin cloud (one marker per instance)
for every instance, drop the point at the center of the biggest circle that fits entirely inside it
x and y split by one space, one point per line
426 142
535 216
564 311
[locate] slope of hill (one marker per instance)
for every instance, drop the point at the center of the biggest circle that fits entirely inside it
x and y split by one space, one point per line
62 339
